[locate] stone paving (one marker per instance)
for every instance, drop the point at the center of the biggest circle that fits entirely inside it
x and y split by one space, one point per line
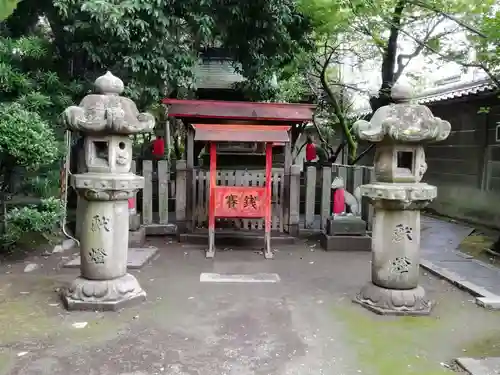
439 241
485 366
302 324
305 324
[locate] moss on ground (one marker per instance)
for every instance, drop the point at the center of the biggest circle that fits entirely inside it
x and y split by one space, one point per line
477 245
30 316
5 363
392 345
488 346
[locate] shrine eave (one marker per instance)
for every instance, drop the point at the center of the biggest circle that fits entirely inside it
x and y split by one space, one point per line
241 133
245 111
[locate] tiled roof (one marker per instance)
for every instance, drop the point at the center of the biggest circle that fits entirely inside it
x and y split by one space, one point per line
446 92
217 74
456 90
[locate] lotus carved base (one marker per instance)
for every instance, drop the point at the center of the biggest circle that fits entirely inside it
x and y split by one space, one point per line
382 301
103 295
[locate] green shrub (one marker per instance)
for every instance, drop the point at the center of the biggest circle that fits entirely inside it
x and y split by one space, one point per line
25 138
40 219
44 186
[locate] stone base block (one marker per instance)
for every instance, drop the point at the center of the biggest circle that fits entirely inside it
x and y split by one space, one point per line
412 302
137 238
103 295
134 222
161 229
345 225
345 243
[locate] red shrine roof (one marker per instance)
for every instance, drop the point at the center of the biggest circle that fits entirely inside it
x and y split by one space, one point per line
241 133
253 111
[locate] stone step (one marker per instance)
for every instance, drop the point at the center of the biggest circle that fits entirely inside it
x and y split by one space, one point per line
345 243
235 238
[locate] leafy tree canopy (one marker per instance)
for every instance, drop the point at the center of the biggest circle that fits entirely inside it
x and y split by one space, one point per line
389 34
394 32
7 8
154 45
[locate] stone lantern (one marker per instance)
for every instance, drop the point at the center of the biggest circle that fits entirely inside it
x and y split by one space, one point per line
106 120
399 132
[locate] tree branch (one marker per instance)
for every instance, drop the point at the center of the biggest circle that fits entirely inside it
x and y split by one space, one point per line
421 4
402 66
389 57
492 76
337 108
360 156
321 138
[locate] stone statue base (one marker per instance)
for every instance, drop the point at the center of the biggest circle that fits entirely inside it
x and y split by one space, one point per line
137 238
103 295
382 301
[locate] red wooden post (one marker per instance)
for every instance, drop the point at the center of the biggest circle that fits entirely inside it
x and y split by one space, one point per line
267 235
249 202
211 205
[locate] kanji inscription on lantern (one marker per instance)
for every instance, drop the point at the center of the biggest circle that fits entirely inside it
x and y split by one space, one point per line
99 222
97 255
239 201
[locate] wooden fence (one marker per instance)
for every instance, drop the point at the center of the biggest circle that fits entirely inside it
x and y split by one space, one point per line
156 201
316 192
200 193
158 198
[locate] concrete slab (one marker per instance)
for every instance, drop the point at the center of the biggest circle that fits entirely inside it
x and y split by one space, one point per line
490 303
456 279
486 366
259 265
137 257
241 278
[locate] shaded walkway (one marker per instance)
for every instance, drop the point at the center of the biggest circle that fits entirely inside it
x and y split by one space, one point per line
439 241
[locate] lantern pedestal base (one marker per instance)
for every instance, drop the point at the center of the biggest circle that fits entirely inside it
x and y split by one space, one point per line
134 222
103 295
137 238
382 301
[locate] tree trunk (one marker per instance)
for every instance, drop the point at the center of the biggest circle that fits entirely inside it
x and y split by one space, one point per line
389 60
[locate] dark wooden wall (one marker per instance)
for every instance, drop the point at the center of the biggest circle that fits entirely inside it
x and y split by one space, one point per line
492 177
460 158
466 166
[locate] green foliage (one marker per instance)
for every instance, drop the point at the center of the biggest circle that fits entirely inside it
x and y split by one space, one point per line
392 33
487 46
293 88
44 186
32 95
7 8
42 219
29 77
154 46
25 138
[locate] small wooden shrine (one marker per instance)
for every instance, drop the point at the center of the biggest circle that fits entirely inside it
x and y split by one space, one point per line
253 134
241 202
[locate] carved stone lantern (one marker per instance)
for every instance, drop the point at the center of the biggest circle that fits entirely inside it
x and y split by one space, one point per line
106 121
399 131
